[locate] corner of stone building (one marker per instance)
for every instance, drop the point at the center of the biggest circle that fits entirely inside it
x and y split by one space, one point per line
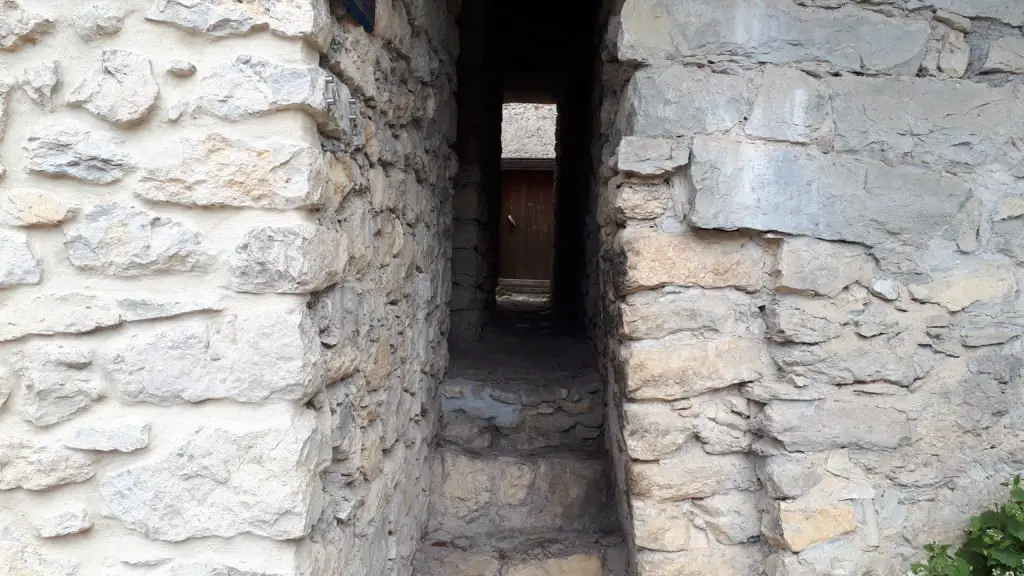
390 313
221 307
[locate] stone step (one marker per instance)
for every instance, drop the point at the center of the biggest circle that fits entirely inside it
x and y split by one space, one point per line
554 554
481 416
480 495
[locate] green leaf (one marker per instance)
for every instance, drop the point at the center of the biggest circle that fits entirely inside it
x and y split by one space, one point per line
1008 558
1015 527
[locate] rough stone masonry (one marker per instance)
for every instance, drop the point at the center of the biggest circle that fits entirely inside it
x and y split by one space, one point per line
811 227
225 235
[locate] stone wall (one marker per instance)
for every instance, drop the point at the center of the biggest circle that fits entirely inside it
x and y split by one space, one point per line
528 130
811 224
219 343
390 312
477 201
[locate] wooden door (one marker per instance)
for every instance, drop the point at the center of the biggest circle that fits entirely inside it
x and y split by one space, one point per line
527 224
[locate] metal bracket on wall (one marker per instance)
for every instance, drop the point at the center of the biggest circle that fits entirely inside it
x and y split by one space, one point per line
364 11
332 92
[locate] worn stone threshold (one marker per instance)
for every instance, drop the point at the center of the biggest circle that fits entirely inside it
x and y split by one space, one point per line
518 554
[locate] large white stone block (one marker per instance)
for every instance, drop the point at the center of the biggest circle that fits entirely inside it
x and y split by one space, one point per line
122 240
39 466
19 26
18 264
216 170
288 259
307 19
675 100
236 477
252 356
776 31
777 187
122 90
72 151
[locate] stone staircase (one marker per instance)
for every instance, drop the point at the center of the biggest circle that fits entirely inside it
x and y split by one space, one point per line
521 483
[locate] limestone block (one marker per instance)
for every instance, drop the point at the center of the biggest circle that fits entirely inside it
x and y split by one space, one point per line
803 320
674 100
894 358
788 476
954 21
644 32
55 382
250 477
64 522
94 21
1008 237
1008 208
36 466
790 106
122 90
288 259
665 526
253 86
848 38
731 518
640 201
19 26
152 307
742 560
649 315
71 151
57 313
575 565
18 264
259 355
810 265
854 423
770 187
653 430
692 473
306 19
954 55
955 123
652 156
31 207
220 171
1009 12
722 430
121 240
109 436
479 495
1005 55
676 368
803 522
27 560
655 259
981 281
985 326
40 82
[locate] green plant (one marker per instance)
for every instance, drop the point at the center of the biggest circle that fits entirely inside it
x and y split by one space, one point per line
994 545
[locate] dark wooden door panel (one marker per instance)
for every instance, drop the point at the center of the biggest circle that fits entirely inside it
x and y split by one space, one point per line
528 224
